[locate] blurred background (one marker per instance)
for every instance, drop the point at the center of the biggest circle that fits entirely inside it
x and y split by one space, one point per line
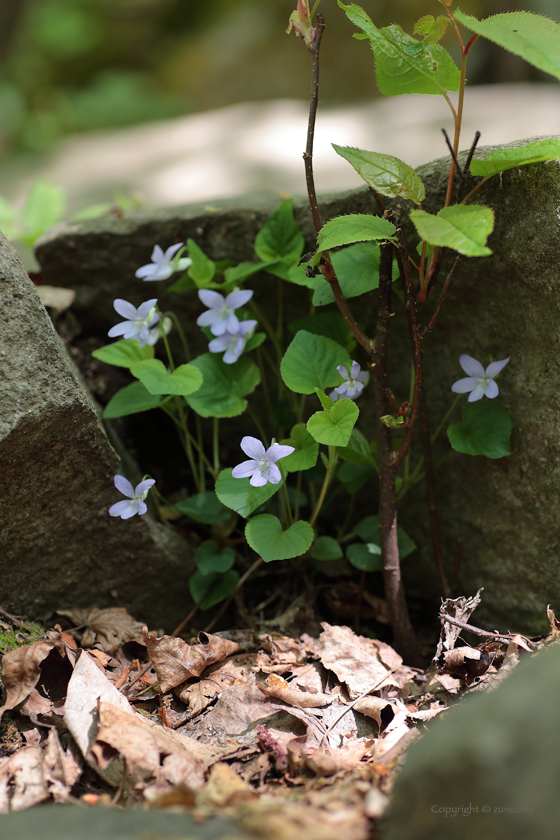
205 79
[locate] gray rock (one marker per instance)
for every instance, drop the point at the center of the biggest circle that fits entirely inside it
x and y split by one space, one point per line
59 548
506 304
493 763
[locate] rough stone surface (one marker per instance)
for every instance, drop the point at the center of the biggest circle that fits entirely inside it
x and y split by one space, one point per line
59 548
495 761
506 304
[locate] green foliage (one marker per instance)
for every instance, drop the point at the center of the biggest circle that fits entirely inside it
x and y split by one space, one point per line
433 29
210 560
403 64
203 269
368 531
124 353
199 584
334 426
330 324
464 228
266 536
533 37
386 174
280 237
184 380
357 270
485 430
306 450
205 508
224 386
344 230
358 450
44 207
325 548
310 362
355 476
365 556
503 159
132 399
239 495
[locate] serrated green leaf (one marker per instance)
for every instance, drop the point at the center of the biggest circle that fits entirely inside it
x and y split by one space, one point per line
485 430
267 538
403 64
239 495
333 428
311 361
357 270
210 560
184 380
297 275
433 29
534 37
366 558
203 269
358 450
224 386
204 507
132 399
345 230
124 353
330 324
199 584
280 237
464 228
368 531
306 450
386 174
326 548
503 159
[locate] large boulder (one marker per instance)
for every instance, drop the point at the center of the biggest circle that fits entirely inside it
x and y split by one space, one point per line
59 548
506 304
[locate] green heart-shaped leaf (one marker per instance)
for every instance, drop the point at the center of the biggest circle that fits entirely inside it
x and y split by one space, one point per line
210 559
205 508
239 495
311 361
306 450
199 584
366 557
186 379
265 535
224 386
132 399
486 430
368 530
334 428
124 353
326 548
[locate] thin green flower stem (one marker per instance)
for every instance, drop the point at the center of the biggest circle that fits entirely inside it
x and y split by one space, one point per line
301 408
268 329
324 488
280 315
264 384
298 493
185 440
445 418
182 335
340 537
166 343
257 422
288 505
216 444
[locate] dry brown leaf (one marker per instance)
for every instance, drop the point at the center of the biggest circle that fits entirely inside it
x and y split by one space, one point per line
26 771
60 769
276 686
359 662
56 297
108 629
224 788
216 679
378 708
21 669
286 651
175 661
146 747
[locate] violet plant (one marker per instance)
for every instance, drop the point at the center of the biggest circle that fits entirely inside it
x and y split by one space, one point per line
322 455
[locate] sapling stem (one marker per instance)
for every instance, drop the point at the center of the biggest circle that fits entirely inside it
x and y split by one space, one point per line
181 332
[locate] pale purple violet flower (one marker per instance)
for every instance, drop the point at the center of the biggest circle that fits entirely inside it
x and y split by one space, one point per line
262 466
232 343
161 329
163 265
353 385
136 495
220 316
139 320
479 382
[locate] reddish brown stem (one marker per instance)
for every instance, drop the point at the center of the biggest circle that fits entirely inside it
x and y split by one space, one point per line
360 336
435 316
404 640
314 48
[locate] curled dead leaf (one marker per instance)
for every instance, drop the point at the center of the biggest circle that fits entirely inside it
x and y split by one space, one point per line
378 708
108 629
277 687
21 669
176 661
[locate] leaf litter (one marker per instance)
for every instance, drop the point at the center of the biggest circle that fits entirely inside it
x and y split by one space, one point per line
284 732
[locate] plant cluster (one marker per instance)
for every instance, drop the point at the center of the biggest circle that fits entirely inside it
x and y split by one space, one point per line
310 382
